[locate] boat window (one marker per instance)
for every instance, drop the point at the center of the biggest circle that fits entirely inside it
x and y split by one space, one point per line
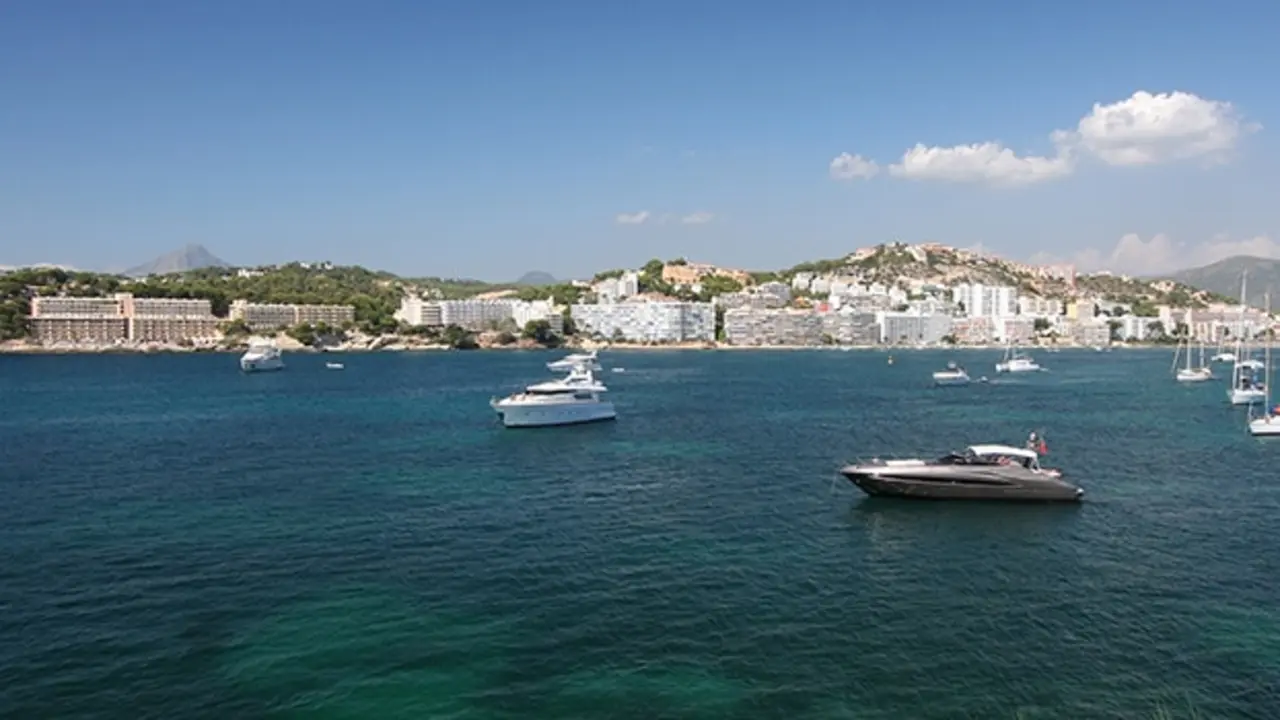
582 396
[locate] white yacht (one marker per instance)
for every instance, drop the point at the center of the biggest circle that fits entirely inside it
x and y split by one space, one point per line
569 362
1188 373
1015 361
571 401
262 356
953 375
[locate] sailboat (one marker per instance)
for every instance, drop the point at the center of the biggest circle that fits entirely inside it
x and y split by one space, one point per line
1188 373
1246 388
1269 423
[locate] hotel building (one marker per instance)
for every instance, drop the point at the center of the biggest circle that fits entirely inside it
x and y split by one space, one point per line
648 321
274 316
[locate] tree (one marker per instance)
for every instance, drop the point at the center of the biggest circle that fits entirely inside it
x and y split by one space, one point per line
950 339
569 326
608 275
540 332
719 332
653 268
1114 327
1156 330
617 336
459 338
1041 324
303 333
505 338
715 285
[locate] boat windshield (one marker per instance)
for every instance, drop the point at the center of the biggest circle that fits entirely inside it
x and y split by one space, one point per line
971 458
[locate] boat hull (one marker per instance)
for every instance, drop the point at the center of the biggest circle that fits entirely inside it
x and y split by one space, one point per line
1268 426
944 379
1238 396
251 365
879 484
1193 376
554 415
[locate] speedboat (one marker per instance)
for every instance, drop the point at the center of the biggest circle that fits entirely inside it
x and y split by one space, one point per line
1015 361
262 356
570 401
953 375
334 366
569 362
981 472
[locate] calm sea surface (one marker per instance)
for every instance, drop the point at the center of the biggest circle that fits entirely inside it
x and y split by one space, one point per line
179 540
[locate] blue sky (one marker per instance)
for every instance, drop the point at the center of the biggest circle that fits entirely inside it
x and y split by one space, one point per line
483 139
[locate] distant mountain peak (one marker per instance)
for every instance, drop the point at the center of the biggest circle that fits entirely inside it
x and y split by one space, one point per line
536 277
192 256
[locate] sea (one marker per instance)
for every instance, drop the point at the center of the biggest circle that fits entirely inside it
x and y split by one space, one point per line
181 540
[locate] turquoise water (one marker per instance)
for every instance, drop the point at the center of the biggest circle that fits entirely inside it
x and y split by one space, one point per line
182 540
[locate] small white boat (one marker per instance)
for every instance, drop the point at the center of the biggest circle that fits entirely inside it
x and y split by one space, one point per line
953 375
1015 362
262 356
569 362
334 366
571 401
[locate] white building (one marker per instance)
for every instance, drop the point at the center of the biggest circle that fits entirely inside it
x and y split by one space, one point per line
993 301
1036 306
416 312
612 290
648 321
912 327
477 315
1133 327
1017 329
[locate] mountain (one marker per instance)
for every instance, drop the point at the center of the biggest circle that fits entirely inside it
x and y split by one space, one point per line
191 257
1223 277
536 278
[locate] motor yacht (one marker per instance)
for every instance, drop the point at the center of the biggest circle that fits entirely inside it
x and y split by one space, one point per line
569 362
981 472
569 401
262 356
953 375
1015 362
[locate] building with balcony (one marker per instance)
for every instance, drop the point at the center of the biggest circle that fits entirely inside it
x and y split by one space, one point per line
276 316
641 321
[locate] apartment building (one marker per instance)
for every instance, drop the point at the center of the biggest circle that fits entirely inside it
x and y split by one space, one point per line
476 314
913 327
1094 332
122 317
648 321
1036 306
974 330
993 301
1016 330
1133 327
617 289
757 326
417 312
79 320
169 319
851 327
273 316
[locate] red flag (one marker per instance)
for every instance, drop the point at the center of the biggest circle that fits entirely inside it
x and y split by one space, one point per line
1043 449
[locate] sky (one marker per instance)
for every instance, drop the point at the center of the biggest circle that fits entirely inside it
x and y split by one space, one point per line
485 139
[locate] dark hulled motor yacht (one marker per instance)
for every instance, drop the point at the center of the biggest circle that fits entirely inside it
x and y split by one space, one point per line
981 472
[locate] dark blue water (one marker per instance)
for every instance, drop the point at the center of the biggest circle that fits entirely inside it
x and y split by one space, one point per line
181 540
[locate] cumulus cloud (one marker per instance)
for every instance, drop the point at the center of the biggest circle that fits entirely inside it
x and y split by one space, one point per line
698 218
1143 129
638 218
849 167
988 162
1161 254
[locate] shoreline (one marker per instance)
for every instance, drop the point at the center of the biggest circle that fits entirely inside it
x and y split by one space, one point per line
25 348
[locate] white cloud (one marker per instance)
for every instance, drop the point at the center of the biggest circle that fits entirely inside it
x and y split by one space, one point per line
988 162
698 218
638 218
1143 129
849 167
1146 129
1161 254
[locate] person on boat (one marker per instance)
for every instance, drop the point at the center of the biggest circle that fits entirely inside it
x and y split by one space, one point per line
1036 443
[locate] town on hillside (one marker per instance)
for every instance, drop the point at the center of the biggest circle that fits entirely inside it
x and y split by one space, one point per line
893 294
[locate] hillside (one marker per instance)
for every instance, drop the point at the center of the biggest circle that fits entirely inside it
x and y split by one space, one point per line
191 257
1223 277
908 265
